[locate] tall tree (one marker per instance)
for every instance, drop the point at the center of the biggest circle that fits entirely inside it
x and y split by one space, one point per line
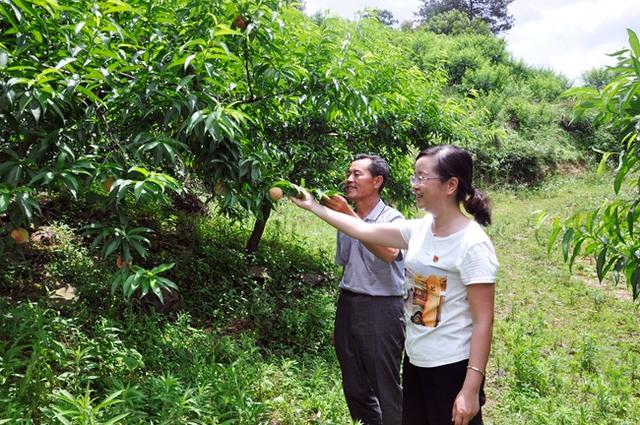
494 12
456 22
384 16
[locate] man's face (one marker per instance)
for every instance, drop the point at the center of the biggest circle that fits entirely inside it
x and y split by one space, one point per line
359 183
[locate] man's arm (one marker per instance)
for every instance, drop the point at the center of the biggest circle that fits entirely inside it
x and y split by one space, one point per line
384 253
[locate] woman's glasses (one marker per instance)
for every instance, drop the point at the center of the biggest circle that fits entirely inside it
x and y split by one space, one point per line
418 179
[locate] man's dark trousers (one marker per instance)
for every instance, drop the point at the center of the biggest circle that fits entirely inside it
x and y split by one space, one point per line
369 340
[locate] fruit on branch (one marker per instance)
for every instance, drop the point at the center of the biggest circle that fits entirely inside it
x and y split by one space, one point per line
240 22
275 193
20 236
106 184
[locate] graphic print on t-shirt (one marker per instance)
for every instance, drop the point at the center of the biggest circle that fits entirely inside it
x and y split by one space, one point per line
425 298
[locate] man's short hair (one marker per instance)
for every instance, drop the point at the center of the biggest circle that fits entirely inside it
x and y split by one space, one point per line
377 167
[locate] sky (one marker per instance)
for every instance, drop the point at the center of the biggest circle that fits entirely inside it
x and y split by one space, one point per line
568 36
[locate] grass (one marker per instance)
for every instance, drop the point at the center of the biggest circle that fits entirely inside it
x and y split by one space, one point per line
565 346
241 348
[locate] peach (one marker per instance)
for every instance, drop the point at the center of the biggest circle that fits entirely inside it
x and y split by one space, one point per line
20 235
106 184
275 193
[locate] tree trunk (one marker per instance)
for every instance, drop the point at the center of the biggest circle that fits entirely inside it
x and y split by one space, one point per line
258 228
470 10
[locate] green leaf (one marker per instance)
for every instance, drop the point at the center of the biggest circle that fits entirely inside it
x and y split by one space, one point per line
141 170
111 247
127 287
555 231
117 279
634 43
4 59
122 188
138 230
614 259
25 207
116 419
158 291
566 240
15 175
603 163
187 61
62 419
71 183
222 30
126 252
600 260
132 363
79 27
541 217
139 239
138 190
139 248
4 202
574 254
635 283
45 175
632 216
167 283
162 268
184 82
194 42
111 399
626 163
33 204
63 62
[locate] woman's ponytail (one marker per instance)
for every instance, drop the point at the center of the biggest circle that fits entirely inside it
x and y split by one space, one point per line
478 205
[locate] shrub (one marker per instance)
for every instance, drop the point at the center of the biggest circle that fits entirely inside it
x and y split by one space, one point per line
487 78
547 85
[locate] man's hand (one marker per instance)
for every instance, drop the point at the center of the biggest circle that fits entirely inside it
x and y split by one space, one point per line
306 201
338 203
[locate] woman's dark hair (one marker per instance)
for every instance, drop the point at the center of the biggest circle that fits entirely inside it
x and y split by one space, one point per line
377 167
451 161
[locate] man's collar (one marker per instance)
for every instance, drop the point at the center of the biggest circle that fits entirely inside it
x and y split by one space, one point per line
375 212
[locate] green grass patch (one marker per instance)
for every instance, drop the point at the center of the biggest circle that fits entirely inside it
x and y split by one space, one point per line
248 339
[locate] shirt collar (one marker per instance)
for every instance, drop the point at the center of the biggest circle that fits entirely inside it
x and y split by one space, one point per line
375 212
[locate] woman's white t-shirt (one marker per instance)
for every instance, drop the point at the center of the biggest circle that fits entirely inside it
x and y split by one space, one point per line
437 271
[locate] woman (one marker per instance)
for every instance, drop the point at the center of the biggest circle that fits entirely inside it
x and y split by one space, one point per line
449 287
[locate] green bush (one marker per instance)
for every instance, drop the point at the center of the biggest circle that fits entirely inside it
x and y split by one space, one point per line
546 85
523 161
487 78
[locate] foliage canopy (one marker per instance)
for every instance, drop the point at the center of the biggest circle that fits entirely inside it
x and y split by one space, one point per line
494 13
116 105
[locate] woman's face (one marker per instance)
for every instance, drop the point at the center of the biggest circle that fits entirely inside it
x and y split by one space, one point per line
427 185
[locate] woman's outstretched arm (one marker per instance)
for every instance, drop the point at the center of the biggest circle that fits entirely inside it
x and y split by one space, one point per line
385 234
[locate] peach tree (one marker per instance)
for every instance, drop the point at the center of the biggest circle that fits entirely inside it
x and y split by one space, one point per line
610 231
120 101
114 98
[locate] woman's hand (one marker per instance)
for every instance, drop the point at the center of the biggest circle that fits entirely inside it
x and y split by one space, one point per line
465 407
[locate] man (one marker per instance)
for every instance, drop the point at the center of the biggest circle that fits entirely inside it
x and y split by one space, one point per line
369 326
